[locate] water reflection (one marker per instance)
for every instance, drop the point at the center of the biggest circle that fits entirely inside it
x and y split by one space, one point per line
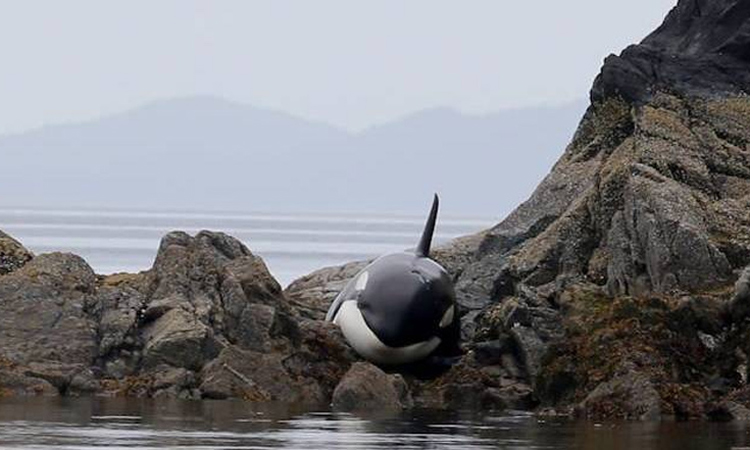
42 423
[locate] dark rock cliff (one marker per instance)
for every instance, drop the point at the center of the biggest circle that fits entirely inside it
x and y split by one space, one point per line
700 49
608 291
614 278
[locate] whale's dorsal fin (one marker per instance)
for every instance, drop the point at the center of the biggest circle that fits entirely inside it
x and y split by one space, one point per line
423 249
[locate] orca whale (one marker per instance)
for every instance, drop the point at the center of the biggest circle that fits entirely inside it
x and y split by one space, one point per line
401 308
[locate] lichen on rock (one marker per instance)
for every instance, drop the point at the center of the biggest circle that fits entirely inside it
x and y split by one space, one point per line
13 255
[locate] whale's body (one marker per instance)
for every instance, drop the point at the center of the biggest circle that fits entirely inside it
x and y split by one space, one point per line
401 308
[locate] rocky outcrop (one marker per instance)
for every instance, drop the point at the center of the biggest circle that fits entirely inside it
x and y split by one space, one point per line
648 211
628 396
14 380
609 291
43 324
208 320
650 200
701 49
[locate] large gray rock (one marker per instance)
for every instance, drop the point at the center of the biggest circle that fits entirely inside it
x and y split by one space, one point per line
653 213
305 374
203 294
367 389
255 376
652 197
207 320
212 281
15 381
117 310
313 293
629 396
42 317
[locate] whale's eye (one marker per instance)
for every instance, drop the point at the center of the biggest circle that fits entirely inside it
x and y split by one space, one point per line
361 283
447 317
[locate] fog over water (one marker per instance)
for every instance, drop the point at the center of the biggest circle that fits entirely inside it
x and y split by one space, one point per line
211 154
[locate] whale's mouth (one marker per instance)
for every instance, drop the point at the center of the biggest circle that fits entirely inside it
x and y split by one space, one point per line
365 342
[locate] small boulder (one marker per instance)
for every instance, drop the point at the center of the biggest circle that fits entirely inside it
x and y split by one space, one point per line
531 349
42 315
178 339
631 396
213 281
366 388
238 373
116 309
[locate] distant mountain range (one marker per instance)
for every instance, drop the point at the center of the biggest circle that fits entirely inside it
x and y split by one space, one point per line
209 153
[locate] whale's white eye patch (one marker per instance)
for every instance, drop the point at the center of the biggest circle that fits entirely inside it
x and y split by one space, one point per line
361 282
448 316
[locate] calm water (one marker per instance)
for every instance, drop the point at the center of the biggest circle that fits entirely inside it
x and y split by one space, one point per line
291 244
39 423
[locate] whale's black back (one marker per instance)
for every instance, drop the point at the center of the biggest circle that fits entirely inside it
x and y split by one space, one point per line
403 297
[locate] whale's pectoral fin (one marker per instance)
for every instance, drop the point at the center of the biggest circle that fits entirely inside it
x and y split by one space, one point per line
350 292
423 249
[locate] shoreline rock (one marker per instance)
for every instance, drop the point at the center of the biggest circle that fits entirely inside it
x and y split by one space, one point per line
207 320
367 389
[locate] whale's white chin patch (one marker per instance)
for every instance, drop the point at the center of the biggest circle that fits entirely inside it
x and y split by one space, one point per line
366 343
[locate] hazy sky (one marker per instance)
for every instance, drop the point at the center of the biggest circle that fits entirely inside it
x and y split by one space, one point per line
347 62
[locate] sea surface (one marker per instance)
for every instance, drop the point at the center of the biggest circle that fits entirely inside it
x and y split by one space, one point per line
292 244
98 423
